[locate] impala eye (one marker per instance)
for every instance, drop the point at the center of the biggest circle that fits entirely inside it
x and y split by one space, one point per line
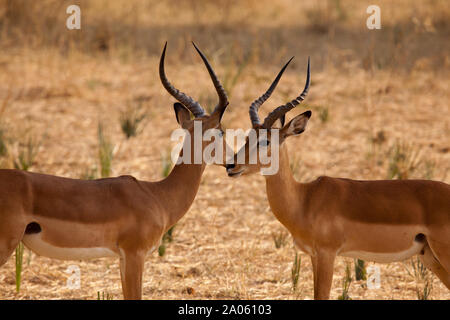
264 143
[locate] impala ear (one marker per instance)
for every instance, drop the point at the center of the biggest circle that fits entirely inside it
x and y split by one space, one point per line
182 113
279 123
297 125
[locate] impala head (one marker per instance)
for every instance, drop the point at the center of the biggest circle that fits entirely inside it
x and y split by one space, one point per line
272 132
190 114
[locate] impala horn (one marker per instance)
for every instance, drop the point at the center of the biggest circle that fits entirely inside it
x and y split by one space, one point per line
186 100
281 110
223 99
254 107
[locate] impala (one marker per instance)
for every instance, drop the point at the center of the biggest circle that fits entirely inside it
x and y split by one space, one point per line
380 221
75 219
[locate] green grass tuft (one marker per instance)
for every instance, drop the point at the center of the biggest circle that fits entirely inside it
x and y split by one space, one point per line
26 154
279 239
166 239
19 265
103 296
422 277
346 284
403 161
295 271
105 153
132 118
360 270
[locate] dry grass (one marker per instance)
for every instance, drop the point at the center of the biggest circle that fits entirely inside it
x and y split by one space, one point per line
60 84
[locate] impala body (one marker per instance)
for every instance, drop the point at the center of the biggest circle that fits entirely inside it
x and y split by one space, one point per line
75 219
381 221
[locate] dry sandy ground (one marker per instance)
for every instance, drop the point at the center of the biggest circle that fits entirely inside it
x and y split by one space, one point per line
223 248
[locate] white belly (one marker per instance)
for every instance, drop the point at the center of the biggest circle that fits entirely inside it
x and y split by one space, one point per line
415 248
35 243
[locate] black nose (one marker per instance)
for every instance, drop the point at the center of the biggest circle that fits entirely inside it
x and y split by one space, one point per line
230 166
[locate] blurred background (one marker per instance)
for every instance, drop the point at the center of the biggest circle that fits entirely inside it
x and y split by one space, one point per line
88 104
333 32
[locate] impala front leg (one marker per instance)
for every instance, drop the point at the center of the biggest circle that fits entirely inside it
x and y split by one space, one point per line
10 237
323 265
131 271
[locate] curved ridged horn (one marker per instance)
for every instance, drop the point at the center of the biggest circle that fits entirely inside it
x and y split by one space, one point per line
281 110
254 107
186 100
223 99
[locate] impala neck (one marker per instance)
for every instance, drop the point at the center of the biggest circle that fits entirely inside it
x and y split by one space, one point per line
179 190
283 189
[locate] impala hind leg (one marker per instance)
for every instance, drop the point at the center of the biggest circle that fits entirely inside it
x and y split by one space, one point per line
439 241
131 271
6 249
323 265
431 262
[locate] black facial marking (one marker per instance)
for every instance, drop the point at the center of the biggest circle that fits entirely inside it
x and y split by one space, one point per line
420 237
33 227
307 114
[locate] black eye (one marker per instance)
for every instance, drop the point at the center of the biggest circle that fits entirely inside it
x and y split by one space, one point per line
264 143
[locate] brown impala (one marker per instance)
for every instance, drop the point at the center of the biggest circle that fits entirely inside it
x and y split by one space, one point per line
75 219
381 221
